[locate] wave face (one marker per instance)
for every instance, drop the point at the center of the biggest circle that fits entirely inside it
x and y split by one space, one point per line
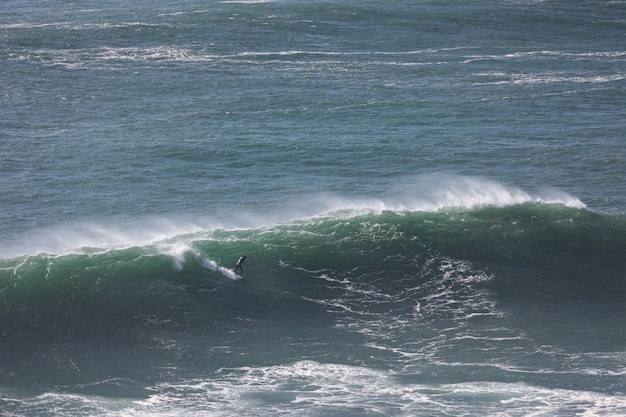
484 294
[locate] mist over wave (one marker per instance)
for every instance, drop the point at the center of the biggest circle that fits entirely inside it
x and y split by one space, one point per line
430 194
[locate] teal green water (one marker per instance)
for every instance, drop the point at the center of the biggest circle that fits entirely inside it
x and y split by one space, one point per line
430 196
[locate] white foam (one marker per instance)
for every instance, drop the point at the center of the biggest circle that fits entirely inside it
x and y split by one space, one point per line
313 388
212 265
310 388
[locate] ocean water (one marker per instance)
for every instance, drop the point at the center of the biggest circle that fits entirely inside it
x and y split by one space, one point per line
431 196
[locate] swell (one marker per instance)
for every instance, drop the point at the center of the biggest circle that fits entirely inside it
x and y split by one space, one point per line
569 247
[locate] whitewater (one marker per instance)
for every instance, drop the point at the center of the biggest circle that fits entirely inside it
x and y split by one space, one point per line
430 196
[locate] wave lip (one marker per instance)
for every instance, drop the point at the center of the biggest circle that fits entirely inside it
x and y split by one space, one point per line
435 193
92 237
441 192
431 193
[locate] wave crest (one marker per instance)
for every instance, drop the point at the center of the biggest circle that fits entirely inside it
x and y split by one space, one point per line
422 194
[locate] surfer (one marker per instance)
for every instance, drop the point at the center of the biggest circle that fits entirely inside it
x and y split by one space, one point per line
240 262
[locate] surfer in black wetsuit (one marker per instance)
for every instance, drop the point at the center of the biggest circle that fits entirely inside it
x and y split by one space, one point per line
240 262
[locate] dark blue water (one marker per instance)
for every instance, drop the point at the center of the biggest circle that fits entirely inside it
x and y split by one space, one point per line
430 196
